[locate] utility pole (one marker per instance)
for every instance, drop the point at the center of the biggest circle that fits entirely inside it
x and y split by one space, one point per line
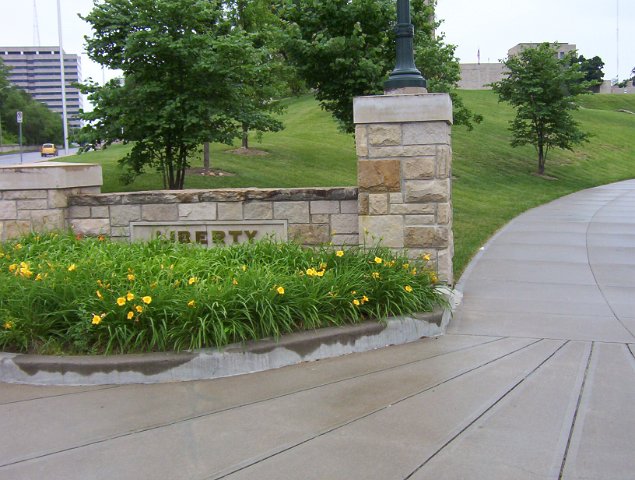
64 114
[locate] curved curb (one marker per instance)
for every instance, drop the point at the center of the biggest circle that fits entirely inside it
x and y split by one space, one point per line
206 364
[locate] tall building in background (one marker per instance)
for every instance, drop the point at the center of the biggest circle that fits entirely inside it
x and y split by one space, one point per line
37 71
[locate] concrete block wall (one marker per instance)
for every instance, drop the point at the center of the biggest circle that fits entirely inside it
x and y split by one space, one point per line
404 175
314 216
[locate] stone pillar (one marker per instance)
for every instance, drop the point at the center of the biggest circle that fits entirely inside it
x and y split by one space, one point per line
34 196
404 175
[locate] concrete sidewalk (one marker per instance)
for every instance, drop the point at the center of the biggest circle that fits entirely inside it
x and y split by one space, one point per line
536 379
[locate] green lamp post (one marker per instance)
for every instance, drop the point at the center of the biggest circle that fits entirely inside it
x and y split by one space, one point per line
405 73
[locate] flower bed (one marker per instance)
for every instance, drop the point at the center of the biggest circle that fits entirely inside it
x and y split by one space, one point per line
62 294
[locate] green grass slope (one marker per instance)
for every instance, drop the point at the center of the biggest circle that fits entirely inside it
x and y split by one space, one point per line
493 182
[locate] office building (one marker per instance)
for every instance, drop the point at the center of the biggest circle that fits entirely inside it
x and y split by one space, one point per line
37 71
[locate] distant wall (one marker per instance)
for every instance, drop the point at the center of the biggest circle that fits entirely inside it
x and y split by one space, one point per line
477 76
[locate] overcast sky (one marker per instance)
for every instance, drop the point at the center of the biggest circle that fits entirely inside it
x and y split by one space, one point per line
493 26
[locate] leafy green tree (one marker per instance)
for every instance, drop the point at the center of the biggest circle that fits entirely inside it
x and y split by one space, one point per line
186 80
346 48
592 70
543 89
40 124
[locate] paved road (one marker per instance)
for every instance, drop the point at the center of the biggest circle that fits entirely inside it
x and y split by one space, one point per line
536 380
31 157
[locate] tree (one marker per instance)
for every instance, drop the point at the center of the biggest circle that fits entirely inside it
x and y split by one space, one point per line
346 48
40 125
186 80
543 89
592 71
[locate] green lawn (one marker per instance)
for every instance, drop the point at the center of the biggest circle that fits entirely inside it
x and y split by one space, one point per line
493 182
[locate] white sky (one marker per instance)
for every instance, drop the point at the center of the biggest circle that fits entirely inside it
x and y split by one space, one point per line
494 26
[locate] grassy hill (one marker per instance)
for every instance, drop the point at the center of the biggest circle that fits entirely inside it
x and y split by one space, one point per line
493 182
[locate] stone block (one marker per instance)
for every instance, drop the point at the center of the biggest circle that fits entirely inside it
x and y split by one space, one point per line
2 239
396 197
57 199
47 220
230 211
419 220
309 234
444 266
325 206
387 229
378 204
344 223
81 212
122 215
25 194
444 213
8 210
38 204
444 161
99 212
362 207
379 175
120 232
342 240
294 212
348 206
258 210
426 133
423 191
320 218
402 151
384 134
16 228
159 212
91 226
418 168
45 175
361 140
412 209
197 211
426 237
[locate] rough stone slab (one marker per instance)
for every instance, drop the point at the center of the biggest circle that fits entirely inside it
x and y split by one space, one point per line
8 210
444 213
402 151
91 226
419 220
98 212
39 204
325 206
58 198
197 211
81 212
16 228
426 237
361 140
159 212
384 134
387 228
320 218
348 206
341 240
418 168
344 223
378 204
47 220
294 212
402 108
310 234
230 211
362 207
444 161
122 215
379 175
426 133
427 191
254 210
24 194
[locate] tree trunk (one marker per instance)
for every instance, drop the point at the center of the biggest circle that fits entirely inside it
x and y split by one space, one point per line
206 157
541 159
245 143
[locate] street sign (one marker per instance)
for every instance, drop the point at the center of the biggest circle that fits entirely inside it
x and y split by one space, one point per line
19 116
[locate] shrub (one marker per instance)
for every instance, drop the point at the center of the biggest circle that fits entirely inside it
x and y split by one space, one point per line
62 294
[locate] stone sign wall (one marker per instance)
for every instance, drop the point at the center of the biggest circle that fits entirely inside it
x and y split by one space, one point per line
310 216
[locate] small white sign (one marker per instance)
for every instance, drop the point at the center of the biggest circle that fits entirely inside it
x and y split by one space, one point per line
19 117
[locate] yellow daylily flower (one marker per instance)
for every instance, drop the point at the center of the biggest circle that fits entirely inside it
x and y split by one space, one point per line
339 253
147 299
280 290
408 288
